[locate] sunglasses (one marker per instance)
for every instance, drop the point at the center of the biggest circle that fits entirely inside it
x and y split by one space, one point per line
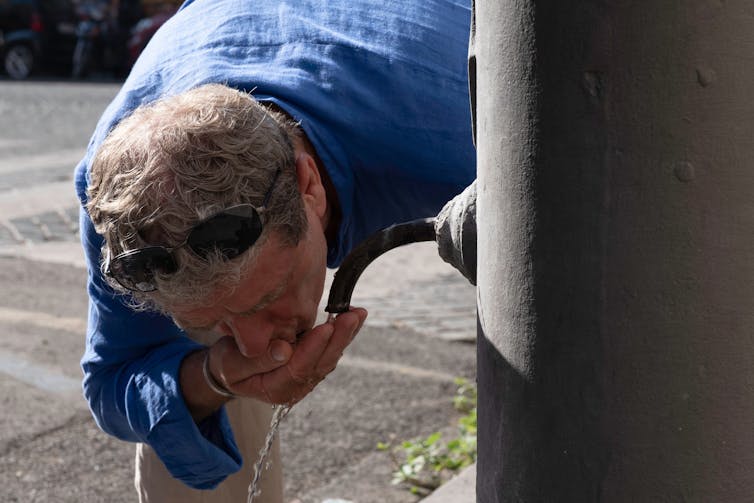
231 232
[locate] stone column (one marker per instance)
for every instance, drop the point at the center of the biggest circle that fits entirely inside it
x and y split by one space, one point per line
615 250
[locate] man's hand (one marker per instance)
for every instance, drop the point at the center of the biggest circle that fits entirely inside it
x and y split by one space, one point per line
284 374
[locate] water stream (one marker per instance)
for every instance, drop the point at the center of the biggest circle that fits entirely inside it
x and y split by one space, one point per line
278 414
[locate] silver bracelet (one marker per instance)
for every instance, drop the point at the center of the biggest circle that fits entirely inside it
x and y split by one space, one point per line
212 382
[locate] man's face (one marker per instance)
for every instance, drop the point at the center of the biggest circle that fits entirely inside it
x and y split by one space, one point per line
279 294
277 298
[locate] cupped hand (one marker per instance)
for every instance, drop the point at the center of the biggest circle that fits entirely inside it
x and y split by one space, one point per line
286 373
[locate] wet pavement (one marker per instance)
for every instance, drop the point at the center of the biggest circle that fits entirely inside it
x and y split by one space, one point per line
395 381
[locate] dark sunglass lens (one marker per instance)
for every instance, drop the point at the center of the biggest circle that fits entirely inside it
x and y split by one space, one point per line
232 232
136 270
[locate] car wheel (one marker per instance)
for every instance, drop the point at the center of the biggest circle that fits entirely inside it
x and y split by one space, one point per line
18 61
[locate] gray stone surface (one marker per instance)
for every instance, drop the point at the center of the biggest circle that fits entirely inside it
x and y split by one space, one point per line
462 489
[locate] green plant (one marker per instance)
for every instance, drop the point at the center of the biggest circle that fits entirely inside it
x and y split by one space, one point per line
422 465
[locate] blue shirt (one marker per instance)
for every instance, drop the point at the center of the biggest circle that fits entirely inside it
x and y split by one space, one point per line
380 89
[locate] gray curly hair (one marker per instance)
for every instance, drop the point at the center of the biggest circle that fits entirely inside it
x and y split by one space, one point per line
181 159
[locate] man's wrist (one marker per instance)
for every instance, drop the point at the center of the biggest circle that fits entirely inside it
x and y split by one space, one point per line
213 383
200 399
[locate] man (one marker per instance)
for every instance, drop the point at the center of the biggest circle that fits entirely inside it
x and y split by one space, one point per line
220 206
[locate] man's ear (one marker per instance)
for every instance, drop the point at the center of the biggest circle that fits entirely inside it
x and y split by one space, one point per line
310 184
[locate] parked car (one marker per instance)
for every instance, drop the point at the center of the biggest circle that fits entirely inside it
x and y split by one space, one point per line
42 36
34 35
20 37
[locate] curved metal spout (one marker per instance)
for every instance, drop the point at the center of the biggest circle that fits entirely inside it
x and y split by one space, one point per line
372 247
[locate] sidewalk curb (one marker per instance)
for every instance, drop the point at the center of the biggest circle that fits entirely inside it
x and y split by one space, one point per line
459 489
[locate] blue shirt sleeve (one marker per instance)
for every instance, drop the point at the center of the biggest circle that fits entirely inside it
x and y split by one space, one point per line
130 367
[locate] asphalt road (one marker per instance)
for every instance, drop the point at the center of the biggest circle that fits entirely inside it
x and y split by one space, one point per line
395 379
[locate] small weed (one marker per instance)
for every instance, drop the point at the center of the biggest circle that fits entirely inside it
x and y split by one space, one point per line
423 465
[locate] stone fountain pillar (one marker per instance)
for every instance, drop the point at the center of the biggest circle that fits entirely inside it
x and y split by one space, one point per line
616 250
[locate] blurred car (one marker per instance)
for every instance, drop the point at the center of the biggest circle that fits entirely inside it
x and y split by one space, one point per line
34 35
20 37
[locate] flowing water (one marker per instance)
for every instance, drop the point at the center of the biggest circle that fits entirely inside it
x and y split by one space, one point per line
278 414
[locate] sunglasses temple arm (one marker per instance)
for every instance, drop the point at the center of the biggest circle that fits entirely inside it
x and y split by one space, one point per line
269 191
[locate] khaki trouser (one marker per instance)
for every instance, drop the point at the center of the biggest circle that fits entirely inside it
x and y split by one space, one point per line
250 420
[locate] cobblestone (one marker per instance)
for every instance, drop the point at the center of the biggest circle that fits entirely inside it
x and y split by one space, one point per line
442 305
60 225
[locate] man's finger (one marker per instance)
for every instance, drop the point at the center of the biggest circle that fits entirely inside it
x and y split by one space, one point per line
308 352
346 327
293 381
230 366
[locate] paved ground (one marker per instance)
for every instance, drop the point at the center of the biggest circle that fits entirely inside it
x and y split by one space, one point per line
396 378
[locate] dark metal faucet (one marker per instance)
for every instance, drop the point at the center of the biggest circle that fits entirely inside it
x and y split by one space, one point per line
454 229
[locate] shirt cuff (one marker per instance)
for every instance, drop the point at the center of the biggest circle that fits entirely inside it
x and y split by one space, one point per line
201 456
